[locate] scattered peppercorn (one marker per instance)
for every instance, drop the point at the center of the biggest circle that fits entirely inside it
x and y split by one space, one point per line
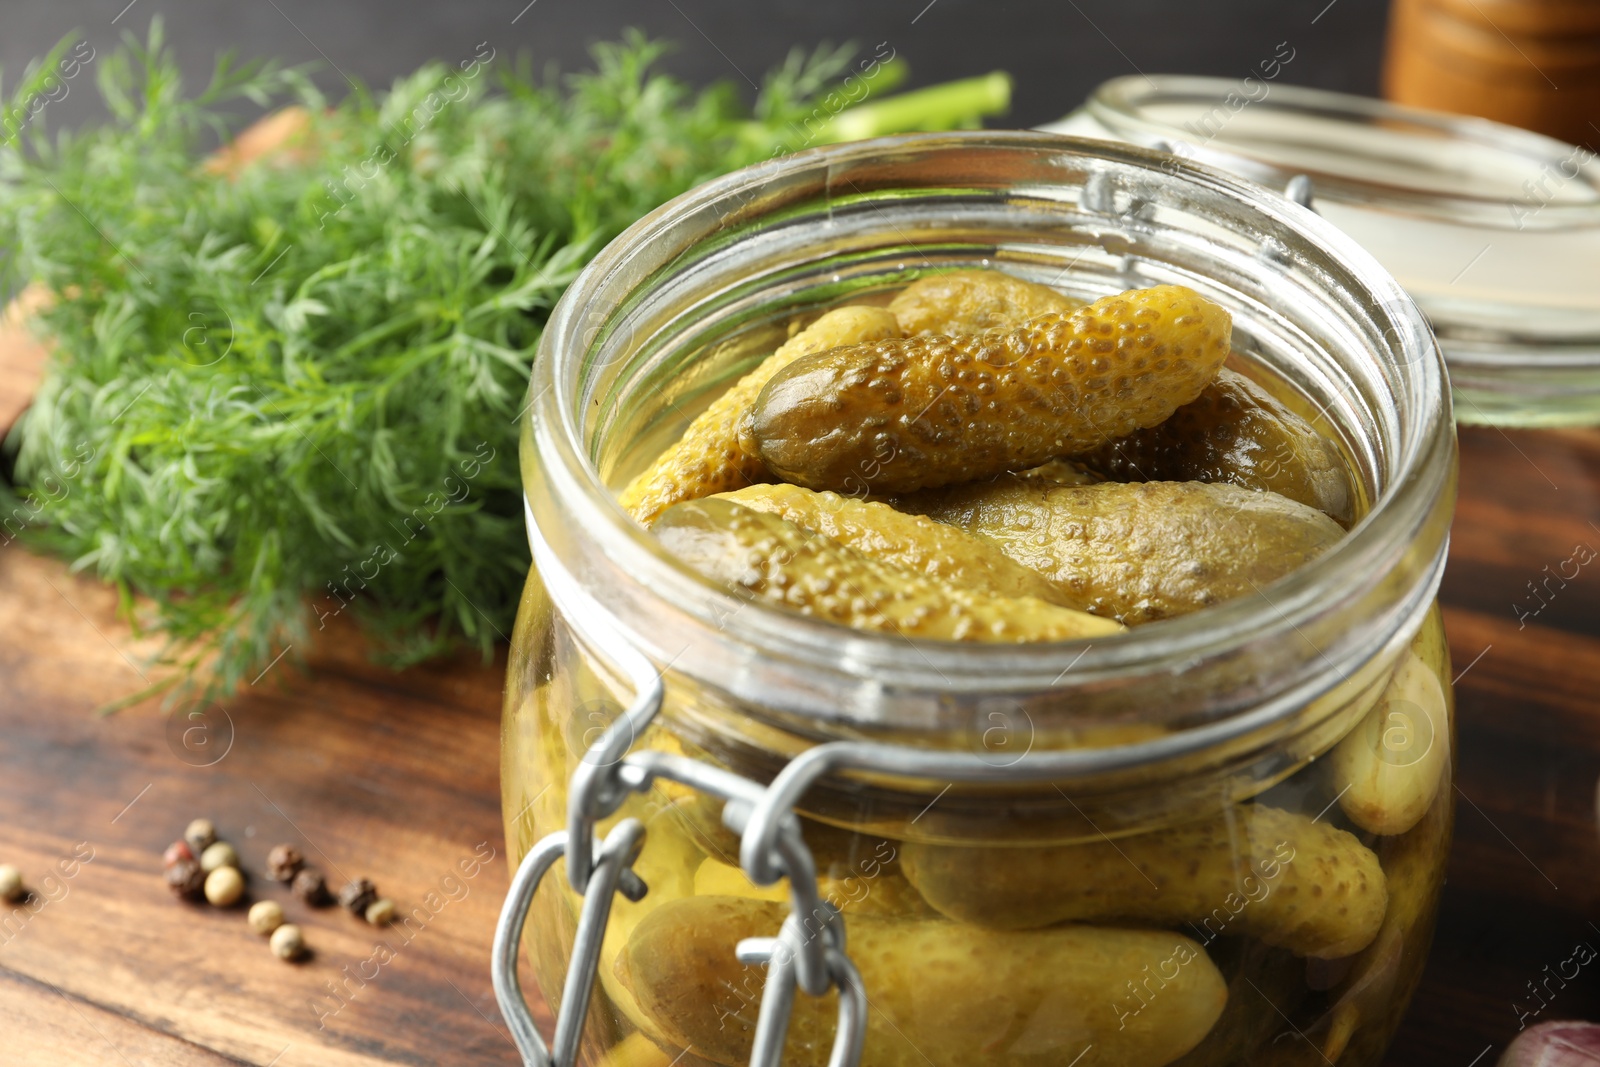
265 916
380 912
220 854
185 878
311 887
178 850
358 895
200 835
224 886
288 942
11 889
284 862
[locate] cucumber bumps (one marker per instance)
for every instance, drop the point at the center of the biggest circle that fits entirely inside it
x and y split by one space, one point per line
715 453
772 559
907 413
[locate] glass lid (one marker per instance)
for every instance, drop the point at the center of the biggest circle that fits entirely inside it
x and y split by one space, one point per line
1495 231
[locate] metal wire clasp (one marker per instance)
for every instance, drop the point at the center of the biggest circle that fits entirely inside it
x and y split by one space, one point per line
611 874
808 952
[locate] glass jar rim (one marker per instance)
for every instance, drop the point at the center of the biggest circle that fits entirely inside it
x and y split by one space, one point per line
1123 105
617 551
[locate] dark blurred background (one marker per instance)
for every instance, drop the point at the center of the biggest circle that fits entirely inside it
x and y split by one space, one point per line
1056 49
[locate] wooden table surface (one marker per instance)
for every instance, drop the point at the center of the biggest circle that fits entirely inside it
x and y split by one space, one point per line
395 777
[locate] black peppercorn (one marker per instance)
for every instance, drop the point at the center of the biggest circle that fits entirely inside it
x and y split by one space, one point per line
311 887
185 878
357 895
283 863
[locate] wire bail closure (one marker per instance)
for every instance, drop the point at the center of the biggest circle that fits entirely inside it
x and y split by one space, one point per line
807 954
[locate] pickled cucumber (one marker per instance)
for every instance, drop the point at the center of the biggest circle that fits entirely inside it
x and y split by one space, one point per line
711 457
1389 768
667 863
1234 432
934 549
886 894
1285 879
780 563
971 301
838 853
1139 552
1383 976
1250 1019
636 1050
941 993
902 414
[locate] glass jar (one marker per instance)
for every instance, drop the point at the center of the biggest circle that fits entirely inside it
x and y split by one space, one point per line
1215 839
1494 230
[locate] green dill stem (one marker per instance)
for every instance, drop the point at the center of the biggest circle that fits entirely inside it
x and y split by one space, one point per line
938 107
17 111
889 75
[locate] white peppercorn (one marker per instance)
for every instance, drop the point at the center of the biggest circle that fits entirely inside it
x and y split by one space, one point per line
288 943
200 835
224 886
11 889
380 912
265 917
218 854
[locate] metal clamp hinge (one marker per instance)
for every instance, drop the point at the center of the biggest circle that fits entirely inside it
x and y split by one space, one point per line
808 952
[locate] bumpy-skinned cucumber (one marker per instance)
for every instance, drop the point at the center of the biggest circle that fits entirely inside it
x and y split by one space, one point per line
906 413
921 545
713 456
1383 976
1389 768
884 893
1236 432
667 862
637 1050
1285 879
773 560
1249 1022
941 993
1143 551
971 301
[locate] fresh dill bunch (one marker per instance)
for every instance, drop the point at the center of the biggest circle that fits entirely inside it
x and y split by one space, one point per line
287 390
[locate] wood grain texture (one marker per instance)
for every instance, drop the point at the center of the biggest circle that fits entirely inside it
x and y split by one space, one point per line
45 1025
369 773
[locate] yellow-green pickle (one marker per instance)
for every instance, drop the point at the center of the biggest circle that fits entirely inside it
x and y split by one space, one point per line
985 462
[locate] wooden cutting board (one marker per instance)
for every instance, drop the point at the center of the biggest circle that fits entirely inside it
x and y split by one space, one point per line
370 773
394 777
